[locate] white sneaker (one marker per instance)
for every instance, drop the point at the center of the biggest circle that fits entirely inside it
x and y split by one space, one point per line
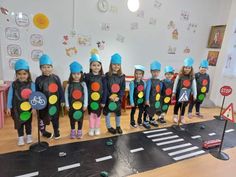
29 139
175 118
97 131
21 141
182 120
91 132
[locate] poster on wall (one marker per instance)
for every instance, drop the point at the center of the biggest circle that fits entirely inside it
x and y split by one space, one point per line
84 40
71 52
11 63
14 50
216 36
22 19
212 57
36 54
36 40
12 33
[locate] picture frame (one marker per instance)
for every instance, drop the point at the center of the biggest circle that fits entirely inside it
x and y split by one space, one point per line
212 57
216 36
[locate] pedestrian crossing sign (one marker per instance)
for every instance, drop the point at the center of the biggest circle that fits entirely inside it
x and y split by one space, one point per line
184 95
228 113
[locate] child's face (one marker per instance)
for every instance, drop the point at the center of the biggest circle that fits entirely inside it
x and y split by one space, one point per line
22 75
46 69
115 67
169 76
95 67
155 73
187 69
76 76
138 74
202 70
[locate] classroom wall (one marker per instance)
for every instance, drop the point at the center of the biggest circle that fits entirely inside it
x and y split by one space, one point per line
142 44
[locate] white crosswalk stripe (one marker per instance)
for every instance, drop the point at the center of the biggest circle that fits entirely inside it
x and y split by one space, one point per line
165 138
169 142
189 155
230 130
159 134
182 151
177 147
154 131
196 137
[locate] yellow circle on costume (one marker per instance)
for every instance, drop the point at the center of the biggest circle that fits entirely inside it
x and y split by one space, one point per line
158 96
25 106
167 100
203 89
52 99
140 95
95 96
77 105
41 21
114 95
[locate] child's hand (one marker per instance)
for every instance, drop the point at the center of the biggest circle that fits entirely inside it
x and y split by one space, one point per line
132 105
84 108
102 105
9 112
173 96
62 104
111 98
67 108
116 99
147 103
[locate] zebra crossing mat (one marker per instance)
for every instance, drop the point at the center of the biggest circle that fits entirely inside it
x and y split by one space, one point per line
128 154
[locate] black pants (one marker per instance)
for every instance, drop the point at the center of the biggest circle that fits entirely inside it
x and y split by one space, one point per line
197 106
140 114
73 121
55 124
177 107
28 128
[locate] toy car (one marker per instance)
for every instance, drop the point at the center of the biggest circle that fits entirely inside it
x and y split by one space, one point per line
211 143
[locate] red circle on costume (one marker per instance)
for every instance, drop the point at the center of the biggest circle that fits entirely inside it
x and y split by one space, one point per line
25 93
115 88
204 82
95 86
168 91
76 94
140 88
52 87
158 88
186 83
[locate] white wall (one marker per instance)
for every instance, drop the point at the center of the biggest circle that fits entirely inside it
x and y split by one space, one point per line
140 46
220 79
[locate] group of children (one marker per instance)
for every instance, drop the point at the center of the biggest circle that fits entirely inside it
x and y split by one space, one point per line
101 93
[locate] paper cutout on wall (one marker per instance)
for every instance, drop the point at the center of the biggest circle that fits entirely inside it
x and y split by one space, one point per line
65 39
36 54
12 33
84 40
140 14
171 50
184 15
228 62
22 19
106 26
4 11
152 21
114 9
41 21
72 51
175 34
192 27
187 50
14 50
134 26
120 38
36 40
171 25
101 45
11 63
94 51
157 4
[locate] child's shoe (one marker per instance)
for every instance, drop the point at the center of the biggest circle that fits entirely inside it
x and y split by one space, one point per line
29 139
119 130
175 118
73 134
112 130
153 123
162 120
21 141
190 115
47 134
146 125
182 120
133 125
199 115
79 134
91 132
97 131
57 135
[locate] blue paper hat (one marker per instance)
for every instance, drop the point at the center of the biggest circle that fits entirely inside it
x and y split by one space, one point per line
45 60
156 65
21 64
139 67
169 69
204 63
95 57
188 62
116 59
75 67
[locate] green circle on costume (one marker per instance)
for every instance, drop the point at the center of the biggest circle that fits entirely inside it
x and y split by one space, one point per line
112 106
201 97
52 110
24 116
94 106
77 115
165 107
157 104
140 101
